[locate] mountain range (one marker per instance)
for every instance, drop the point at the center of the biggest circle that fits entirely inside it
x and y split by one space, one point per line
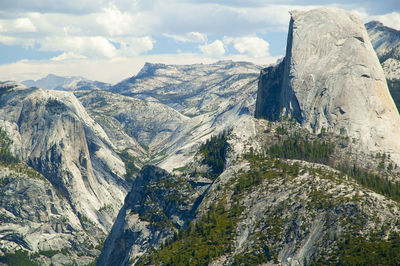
221 164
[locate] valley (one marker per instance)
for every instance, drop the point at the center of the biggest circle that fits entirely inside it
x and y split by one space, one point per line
229 163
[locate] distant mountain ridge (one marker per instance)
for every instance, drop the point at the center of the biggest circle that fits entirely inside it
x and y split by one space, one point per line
293 190
54 82
386 42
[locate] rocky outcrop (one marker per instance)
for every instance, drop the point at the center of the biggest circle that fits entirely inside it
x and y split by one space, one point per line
332 79
192 89
386 42
268 104
52 133
167 111
36 218
157 206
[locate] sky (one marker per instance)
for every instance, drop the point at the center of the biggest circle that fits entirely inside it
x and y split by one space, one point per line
111 40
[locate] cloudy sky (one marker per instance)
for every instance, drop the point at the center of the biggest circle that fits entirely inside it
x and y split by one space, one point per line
110 40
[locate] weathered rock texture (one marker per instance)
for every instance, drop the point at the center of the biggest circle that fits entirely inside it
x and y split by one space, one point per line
386 42
53 134
156 207
332 79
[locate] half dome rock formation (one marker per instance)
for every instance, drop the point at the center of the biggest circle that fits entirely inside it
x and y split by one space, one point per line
331 78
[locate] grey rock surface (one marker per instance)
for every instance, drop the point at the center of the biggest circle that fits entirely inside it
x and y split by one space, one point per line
52 133
333 80
386 42
157 206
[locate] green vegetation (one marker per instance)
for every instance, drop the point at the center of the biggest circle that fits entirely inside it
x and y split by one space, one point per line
394 88
214 151
49 253
129 161
5 154
20 258
210 237
318 151
55 106
298 147
375 182
252 258
357 250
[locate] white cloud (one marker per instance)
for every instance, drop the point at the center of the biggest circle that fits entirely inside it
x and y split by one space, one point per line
24 25
195 37
254 46
134 46
214 49
67 56
87 46
19 25
115 21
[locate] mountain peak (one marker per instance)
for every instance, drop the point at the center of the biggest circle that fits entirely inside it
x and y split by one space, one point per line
332 79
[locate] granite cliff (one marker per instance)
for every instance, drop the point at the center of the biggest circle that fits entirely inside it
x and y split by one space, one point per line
332 80
312 185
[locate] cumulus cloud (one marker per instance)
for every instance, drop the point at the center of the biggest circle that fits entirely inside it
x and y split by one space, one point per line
214 49
97 46
134 46
67 56
195 37
253 46
115 21
90 32
24 25
19 25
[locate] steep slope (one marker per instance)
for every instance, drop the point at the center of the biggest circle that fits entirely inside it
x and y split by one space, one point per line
52 132
262 208
386 42
191 89
318 184
157 206
170 110
332 79
142 127
35 218
54 82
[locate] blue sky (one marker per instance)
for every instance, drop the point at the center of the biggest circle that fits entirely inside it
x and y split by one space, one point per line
111 40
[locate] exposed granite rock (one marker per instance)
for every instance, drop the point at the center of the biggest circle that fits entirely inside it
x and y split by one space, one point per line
52 132
154 209
386 42
268 104
332 79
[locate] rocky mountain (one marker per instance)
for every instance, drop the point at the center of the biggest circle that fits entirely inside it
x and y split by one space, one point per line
386 42
170 110
88 152
191 89
317 74
52 133
316 184
54 82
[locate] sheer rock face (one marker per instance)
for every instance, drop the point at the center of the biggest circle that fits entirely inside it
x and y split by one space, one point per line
332 79
157 205
52 132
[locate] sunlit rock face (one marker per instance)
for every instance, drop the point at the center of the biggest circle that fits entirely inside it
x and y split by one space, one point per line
332 79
